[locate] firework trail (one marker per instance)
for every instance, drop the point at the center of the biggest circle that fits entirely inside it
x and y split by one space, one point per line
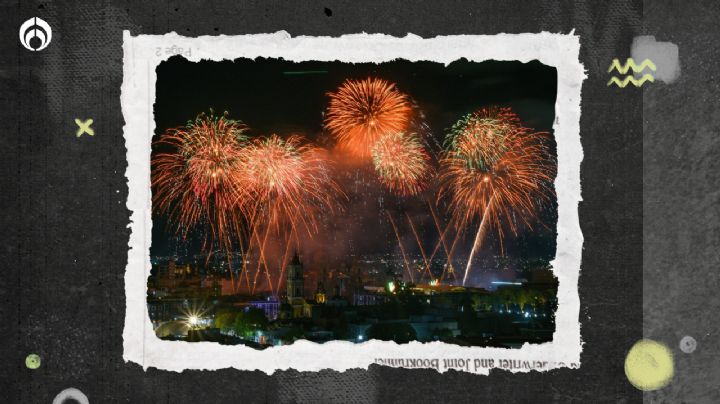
448 251
361 111
197 178
497 170
418 125
402 249
422 250
262 261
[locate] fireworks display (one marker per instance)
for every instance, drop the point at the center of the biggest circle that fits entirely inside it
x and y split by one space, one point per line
350 194
197 178
207 176
401 162
290 182
266 194
497 170
361 111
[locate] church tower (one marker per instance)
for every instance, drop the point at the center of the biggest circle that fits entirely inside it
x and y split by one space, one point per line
295 280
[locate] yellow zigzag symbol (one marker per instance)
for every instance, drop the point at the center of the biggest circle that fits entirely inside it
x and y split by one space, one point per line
630 64
630 79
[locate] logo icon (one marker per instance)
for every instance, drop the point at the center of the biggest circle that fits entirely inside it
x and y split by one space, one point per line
630 64
35 34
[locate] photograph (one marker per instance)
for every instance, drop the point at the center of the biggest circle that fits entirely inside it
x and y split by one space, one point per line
401 201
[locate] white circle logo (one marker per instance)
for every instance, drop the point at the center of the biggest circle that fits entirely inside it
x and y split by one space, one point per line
35 34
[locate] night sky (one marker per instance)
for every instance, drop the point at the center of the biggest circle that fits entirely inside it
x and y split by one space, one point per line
268 100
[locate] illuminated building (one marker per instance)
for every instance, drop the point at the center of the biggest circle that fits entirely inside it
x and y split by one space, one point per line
270 306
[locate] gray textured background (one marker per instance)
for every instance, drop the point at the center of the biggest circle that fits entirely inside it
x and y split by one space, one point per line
65 230
681 209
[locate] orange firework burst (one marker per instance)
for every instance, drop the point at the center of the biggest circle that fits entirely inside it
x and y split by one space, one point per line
496 169
361 111
401 162
291 182
196 177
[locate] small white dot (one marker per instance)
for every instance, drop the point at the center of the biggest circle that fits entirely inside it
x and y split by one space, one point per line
688 344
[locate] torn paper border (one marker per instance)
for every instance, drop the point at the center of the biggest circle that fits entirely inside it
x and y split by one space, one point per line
143 53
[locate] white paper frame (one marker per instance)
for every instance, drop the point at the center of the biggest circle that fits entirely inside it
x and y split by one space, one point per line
143 53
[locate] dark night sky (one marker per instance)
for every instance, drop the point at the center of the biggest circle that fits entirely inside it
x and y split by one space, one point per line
268 101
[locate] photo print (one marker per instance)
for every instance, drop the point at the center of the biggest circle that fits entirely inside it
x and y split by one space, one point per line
397 201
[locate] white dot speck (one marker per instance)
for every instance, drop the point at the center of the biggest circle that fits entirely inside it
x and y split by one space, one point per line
688 344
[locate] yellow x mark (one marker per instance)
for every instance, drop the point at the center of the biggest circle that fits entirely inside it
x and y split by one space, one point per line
84 127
